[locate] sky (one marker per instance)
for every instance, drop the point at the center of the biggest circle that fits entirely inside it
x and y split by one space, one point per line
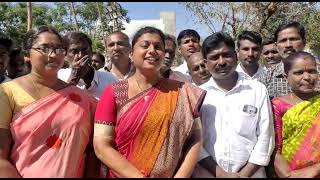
151 10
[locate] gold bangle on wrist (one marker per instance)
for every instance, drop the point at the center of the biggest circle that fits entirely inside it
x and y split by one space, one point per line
288 175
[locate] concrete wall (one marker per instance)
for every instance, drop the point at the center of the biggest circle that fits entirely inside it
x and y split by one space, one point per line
169 20
166 23
135 25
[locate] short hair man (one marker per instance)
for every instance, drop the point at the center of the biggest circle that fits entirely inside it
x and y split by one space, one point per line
118 50
290 37
236 116
98 60
249 49
81 73
188 43
5 47
17 66
198 69
270 55
170 53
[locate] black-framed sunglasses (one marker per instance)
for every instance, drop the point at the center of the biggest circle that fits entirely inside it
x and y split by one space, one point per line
48 51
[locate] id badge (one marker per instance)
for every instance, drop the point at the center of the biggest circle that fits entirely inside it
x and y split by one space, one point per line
250 109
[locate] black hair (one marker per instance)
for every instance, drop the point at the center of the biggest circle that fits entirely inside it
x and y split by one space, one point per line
30 38
293 57
294 24
75 37
99 55
13 53
5 41
186 33
145 30
268 40
212 41
252 36
168 37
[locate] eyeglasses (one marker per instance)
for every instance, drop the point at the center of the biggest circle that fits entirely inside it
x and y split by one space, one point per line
48 51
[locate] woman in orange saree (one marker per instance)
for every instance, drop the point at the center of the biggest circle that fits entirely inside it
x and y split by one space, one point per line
297 120
45 124
149 131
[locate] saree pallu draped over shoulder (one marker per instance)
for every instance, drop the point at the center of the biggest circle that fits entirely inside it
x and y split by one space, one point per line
51 134
301 134
152 129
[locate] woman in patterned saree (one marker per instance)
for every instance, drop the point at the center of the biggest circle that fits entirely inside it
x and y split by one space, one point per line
297 120
148 126
45 124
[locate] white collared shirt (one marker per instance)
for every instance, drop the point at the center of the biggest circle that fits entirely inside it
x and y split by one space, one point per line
129 73
100 81
241 72
237 125
183 68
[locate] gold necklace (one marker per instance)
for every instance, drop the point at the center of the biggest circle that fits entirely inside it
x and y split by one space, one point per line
146 97
138 84
35 87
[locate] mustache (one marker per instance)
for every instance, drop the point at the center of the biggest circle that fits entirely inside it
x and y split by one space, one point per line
288 50
117 53
222 68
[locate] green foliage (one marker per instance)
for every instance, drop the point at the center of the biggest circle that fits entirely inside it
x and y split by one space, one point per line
312 24
61 18
263 17
97 45
41 16
13 19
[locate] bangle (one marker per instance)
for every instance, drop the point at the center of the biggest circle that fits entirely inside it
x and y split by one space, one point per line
288 175
145 175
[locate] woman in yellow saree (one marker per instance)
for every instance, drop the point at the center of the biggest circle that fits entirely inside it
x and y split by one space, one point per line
297 120
148 126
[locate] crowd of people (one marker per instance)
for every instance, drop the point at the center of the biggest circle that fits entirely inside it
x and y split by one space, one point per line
66 112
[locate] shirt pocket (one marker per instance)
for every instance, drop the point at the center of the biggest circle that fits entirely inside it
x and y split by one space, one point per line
245 124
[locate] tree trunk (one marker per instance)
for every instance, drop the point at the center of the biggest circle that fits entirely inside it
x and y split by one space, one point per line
73 12
29 14
102 26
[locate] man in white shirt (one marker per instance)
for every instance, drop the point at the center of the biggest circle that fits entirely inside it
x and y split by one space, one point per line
188 43
81 73
249 49
118 50
236 117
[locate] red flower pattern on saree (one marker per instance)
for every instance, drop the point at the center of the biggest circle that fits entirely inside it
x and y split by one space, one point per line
75 97
54 141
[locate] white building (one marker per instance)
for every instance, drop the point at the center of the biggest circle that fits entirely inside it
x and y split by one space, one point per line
166 23
134 25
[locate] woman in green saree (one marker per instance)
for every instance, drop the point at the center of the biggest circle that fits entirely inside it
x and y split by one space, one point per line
297 120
